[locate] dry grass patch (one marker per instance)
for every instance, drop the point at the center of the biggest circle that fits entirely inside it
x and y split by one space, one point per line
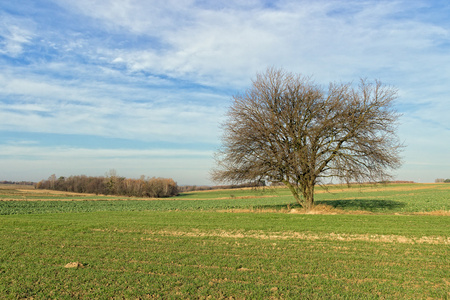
409 187
321 209
286 235
434 213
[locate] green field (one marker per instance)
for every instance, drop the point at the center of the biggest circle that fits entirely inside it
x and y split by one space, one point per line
382 242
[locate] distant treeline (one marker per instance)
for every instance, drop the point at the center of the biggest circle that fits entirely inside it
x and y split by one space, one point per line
112 185
17 182
191 188
440 180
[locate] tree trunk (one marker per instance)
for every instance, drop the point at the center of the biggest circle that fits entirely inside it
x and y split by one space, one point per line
308 195
294 192
306 198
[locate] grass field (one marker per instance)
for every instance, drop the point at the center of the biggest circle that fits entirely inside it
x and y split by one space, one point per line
382 242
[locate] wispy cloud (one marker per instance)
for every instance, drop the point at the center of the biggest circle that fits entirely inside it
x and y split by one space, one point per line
205 44
107 109
15 33
31 149
40 161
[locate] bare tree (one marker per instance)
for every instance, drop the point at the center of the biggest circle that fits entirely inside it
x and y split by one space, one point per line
288 129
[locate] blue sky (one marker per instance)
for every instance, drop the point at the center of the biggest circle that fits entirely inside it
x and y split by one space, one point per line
142 86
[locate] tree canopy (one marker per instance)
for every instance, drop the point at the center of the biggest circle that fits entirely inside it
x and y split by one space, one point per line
286 128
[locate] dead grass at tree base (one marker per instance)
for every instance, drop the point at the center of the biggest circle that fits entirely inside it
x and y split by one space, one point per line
320 209
324 209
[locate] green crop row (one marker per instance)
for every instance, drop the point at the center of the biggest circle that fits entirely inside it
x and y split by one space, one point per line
39 207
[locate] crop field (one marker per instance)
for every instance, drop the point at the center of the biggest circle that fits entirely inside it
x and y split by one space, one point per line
392 198
364 242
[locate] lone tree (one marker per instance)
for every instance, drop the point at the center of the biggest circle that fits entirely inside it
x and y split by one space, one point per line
288 129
